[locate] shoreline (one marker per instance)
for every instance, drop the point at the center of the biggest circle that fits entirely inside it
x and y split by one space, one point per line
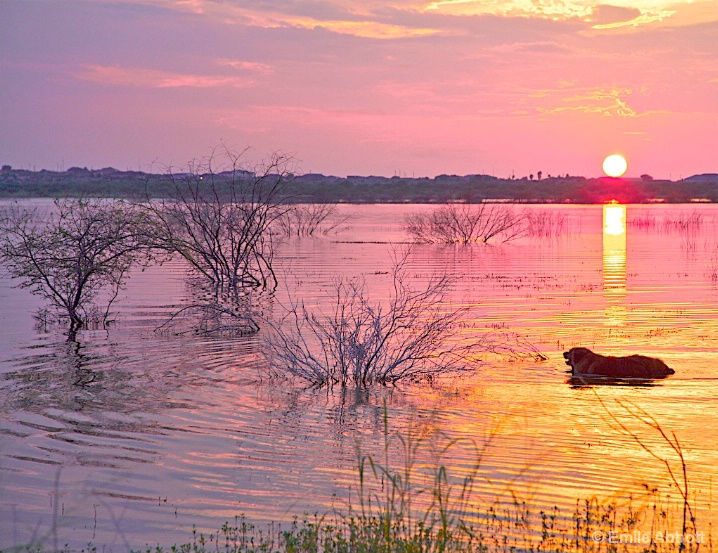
317 188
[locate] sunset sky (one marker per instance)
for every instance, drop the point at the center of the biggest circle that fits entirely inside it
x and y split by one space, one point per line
384 87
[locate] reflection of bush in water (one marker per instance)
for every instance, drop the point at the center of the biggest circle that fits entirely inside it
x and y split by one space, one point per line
71 377
204 313
104 380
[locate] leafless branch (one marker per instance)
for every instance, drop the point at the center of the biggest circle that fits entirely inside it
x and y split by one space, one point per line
359 342
466 224
219 219
308 219
68 256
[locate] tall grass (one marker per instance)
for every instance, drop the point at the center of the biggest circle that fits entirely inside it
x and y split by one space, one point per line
683 222
407 500
710 255
403 503
676 222
643 222
712 267
511 529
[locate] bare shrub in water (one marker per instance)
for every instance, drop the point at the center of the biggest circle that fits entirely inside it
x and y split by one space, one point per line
68 257
544 224
308 219
219 219
359 342
466 223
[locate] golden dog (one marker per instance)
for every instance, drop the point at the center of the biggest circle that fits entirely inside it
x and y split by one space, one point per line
584 362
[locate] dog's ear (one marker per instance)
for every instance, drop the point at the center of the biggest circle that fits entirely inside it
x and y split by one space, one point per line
579 353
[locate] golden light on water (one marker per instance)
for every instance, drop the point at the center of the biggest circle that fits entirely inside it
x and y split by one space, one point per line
614 263
615 165
614 219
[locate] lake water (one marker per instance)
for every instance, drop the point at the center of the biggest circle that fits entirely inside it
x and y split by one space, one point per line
133 437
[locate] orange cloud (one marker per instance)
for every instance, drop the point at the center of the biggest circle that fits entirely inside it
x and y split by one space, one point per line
612 17
607 102
604 16
367 19
549 9
365 29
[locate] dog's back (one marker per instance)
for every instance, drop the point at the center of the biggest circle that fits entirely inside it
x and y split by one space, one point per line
634 366
584 362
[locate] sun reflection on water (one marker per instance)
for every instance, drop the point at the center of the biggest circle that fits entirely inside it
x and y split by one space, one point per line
614 263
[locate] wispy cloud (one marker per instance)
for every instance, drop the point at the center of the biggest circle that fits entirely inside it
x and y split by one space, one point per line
397 19
612 102
602 16
151 78
365 29
613 17
335 16
247 66
550 9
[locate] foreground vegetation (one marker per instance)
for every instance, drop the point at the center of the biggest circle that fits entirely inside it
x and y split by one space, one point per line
405 504
410 498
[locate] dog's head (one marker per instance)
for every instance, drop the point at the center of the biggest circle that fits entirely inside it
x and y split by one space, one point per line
574 355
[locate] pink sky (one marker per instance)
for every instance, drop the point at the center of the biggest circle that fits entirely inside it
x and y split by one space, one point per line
383 87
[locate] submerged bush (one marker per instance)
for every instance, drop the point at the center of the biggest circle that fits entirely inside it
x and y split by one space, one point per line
360 342
310 219
545 224
218 218
83 247
466 224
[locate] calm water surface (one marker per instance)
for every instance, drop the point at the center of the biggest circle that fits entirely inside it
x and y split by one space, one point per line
132 437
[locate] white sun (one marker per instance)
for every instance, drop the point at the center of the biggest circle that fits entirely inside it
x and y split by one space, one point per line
615 165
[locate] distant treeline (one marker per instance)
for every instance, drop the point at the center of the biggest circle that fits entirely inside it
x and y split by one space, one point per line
317 188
